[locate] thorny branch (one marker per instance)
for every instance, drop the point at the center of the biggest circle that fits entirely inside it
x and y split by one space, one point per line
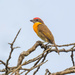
39 60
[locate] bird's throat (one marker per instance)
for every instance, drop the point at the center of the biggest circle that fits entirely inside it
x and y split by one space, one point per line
35 26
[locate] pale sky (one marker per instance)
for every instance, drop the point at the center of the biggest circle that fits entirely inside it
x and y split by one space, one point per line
58 15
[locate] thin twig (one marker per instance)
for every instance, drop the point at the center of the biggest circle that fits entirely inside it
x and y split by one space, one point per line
12 48
22 72
16 36
64 45
47 72
2 62
64 72
35 67
72 55
72 58
44 57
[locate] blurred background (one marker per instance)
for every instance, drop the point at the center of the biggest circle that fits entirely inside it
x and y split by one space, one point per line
58 15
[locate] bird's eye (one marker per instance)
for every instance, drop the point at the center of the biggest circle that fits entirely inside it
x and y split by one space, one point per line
36 19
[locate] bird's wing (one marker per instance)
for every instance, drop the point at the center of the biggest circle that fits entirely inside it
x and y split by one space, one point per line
43 30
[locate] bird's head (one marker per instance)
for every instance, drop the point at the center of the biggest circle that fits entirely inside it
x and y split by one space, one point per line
36 19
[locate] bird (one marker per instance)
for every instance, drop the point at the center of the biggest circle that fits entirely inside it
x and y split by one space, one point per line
43 31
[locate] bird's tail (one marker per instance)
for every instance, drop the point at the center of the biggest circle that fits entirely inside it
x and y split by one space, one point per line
56 48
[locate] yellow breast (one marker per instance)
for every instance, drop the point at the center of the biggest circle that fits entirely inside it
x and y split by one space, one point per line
35 26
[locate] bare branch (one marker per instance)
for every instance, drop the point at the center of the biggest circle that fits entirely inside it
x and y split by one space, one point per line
47 72
2 62
44 57
64 45
39 59
49 50
12 48
67 71
35 67
26 53
72 55
16 36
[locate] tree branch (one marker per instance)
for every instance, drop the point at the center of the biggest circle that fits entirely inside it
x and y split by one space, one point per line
67 71
12 48
39 59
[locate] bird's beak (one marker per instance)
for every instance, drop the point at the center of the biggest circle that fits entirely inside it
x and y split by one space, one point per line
31 20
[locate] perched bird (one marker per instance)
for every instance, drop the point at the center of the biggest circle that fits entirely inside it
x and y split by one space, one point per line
43 32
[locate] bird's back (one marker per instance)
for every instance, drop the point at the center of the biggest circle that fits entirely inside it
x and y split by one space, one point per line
45 33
